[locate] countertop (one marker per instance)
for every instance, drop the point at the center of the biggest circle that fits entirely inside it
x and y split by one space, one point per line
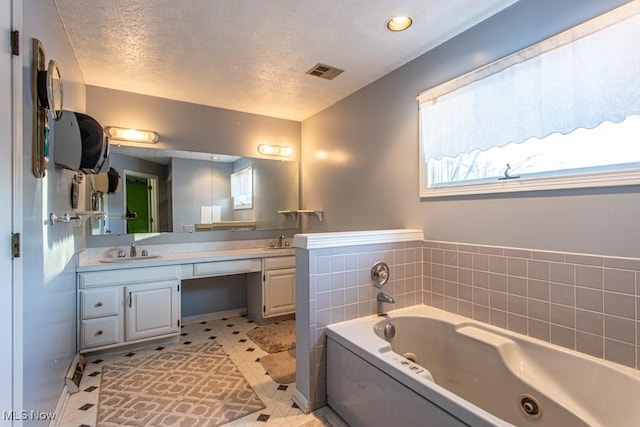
85 263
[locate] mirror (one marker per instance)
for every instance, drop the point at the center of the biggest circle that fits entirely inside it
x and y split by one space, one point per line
185 191
54 89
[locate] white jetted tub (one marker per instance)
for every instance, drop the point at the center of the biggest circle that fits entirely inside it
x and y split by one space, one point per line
441 369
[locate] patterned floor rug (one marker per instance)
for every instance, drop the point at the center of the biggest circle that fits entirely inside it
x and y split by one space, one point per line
275 337
186 385
281 366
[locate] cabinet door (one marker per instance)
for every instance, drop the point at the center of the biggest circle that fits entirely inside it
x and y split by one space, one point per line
279 292
153 309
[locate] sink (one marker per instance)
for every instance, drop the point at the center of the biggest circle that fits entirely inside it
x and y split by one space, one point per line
276 248
129 259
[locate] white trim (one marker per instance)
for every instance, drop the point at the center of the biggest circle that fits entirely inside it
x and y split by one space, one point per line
611 178
213 315
355 238
152 201
59 411
594 180
300 400
17 208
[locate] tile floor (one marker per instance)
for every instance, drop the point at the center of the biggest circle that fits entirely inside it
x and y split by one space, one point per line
82 407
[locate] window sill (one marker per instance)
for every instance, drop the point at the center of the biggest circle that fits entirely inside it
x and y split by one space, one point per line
594 180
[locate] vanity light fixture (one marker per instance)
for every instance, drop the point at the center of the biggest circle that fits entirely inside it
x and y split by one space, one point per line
399 23
274 150
133 135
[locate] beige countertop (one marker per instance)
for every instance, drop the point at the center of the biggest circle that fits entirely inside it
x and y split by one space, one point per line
94 261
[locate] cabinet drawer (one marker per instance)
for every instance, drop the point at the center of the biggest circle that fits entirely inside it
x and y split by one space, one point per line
222 268
99 332
127 275
100 302
279 262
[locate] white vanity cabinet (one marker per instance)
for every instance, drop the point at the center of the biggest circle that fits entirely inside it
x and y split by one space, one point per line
118 307
275 294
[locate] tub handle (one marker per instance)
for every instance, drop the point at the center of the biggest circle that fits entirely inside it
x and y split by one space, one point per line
389 331
379 274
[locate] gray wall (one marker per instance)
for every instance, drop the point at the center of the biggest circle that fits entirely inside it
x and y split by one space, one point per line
185 126
275 188
213 295
197 183
49 289
370 178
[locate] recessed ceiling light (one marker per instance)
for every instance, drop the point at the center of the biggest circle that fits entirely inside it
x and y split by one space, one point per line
399 23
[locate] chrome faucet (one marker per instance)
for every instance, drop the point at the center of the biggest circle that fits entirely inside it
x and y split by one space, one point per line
383 298
132 252
281 241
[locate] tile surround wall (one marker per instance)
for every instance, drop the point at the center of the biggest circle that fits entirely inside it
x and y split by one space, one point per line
340 289
586 303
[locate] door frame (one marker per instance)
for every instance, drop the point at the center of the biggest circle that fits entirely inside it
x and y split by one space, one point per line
11 321
153 197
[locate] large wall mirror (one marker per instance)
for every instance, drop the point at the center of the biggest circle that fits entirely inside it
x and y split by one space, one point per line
184 191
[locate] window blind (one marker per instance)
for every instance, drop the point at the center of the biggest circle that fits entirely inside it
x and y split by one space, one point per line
580 78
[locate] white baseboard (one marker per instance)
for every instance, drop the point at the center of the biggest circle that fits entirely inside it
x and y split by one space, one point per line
300 400
215 315
74 374
62 402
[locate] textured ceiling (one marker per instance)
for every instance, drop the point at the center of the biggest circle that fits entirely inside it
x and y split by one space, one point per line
252 55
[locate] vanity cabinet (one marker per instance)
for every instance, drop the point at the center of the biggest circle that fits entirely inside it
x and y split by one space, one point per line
274 295
118 307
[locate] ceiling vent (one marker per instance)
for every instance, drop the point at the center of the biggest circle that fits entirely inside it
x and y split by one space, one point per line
325 71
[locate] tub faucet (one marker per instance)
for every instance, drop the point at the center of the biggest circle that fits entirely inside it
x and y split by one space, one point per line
382 298
132 252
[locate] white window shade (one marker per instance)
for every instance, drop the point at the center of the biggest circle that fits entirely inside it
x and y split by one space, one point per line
242 189
581 78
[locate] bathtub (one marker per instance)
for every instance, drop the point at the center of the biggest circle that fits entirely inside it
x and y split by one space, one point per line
442 369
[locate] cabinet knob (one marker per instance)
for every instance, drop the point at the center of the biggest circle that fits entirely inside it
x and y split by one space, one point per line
99 332
99 304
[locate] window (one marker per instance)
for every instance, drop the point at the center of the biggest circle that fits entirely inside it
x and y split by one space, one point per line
563 113
242 189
